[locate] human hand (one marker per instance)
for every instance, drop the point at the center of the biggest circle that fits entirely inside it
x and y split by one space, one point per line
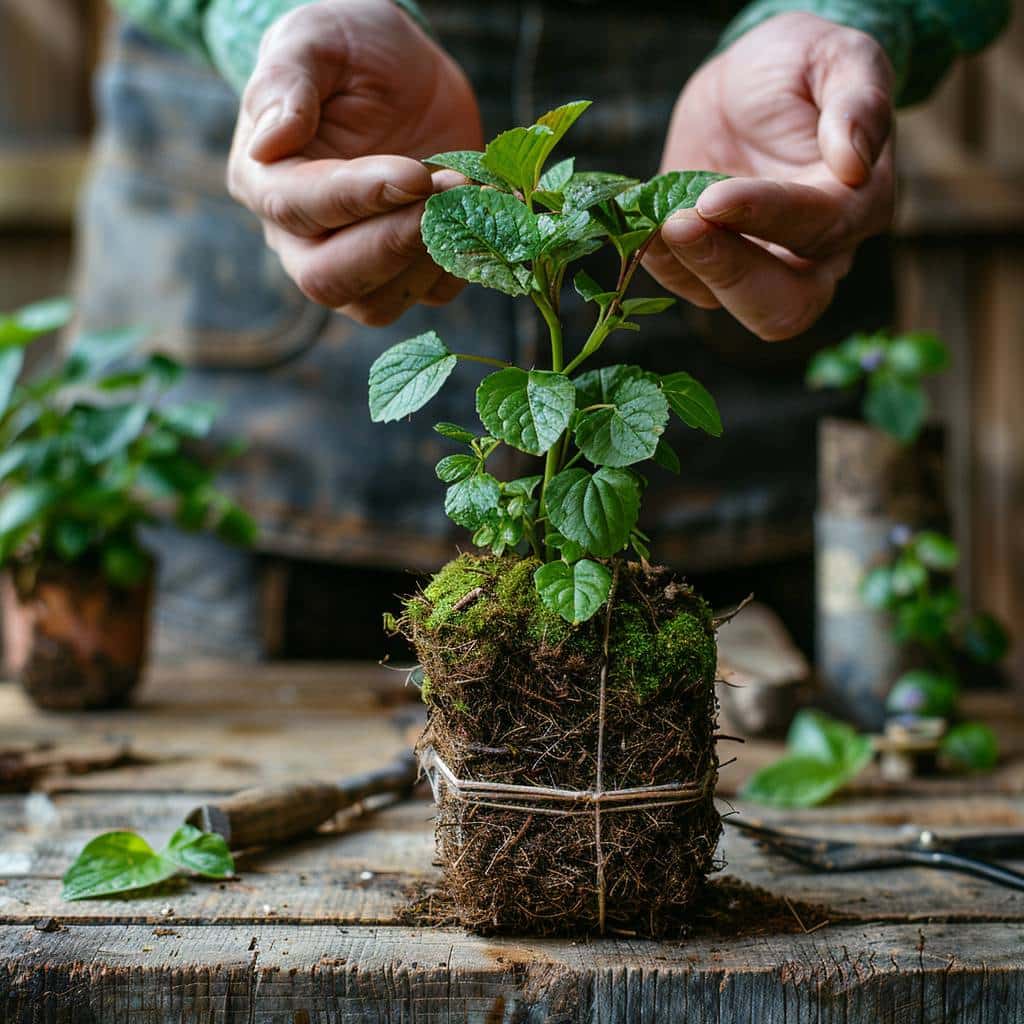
346 98
800 109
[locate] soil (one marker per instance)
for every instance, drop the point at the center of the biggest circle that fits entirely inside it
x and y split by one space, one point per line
514 697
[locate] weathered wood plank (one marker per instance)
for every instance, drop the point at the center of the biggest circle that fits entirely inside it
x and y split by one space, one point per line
273 974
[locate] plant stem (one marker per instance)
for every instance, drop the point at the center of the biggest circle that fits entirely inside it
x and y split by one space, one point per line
552 458
483 359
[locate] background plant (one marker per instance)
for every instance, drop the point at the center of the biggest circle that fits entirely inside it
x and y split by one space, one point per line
518 228
891 368
93 450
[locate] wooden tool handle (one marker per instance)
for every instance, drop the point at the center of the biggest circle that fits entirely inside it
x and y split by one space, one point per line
275 814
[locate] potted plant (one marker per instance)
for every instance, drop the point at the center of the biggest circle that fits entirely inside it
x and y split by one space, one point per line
877 474
89 453
570 689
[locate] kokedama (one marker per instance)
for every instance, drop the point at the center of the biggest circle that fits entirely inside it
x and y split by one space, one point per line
570 738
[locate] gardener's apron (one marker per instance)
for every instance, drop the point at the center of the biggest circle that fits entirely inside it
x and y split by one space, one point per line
162 244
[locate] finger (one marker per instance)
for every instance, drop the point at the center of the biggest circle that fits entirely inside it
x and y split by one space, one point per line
387 304
308 198
663 266
355 261
851 83
811 222
772 299
446 289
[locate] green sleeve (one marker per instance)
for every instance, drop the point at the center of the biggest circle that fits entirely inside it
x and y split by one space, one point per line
226 32
922 37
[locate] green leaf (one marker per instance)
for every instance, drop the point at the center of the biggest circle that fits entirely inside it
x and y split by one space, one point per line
454 432
833 369
938 552
105 431
970 747
590 188
560 230
20 506
629 431
908 575
205 853
666 457
589 290
483 236
557 176
596 387
124 563
529 411
518 155
11 361
817 735
984 639
469 163
93 352
237 527
896 406
115 862
917 353
575 592
191 419
677 190
923 693
524 486
469 501
795 781
646 307
407 376
692 403
876 589
569 549
598 510
71 539
453 468
27 324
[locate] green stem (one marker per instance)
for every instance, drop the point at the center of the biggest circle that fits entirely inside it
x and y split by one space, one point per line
483 359
552 458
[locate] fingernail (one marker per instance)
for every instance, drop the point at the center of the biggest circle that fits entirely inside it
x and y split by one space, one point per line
394 194
684 229
268 119
861 147
729 215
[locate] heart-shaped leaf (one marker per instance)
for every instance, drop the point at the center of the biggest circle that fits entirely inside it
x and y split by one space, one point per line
529 411
115 862
677 190
899 407
597 510
629 428
482 235
813 734
692 403
406 376
575 591
469 501
795 781
205 853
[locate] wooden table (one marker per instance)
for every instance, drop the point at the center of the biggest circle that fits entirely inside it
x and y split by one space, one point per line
311 933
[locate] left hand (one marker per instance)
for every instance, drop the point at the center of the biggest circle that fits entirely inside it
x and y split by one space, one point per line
800 109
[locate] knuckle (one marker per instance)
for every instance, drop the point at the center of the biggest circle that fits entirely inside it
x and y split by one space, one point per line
282 210
401 238
318 284
794 319
370 314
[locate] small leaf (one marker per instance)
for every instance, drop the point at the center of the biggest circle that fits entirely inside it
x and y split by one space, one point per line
454 432
646 307
677 190
454 468
833 369
908 575
588 289
21 505
115 862
938 552
524 486
236 526
483 236
71 539
876 589
30 322
817 735
596 387
11 361
575 592
597 510
984 639
469 501
629 431
191 419
205 853
970 747
106 431
92 352
692 403
917 353
795 781
469 163
590 188
529 411
407 376
896 406
556 177
924 694
568 549
666 457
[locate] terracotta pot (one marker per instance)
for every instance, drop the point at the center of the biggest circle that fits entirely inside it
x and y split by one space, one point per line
71 638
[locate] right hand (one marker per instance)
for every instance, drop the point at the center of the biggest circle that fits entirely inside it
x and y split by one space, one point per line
347 97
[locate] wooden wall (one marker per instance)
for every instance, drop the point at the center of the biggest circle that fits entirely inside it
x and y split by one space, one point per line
960 272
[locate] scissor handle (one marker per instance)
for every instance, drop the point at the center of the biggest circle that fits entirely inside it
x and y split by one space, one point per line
947 861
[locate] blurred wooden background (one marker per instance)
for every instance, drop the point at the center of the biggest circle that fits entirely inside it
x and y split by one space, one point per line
959 248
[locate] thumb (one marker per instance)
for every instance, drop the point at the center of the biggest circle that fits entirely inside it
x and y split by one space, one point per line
853 91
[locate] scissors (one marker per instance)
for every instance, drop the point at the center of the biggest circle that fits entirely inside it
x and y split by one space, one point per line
923 848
